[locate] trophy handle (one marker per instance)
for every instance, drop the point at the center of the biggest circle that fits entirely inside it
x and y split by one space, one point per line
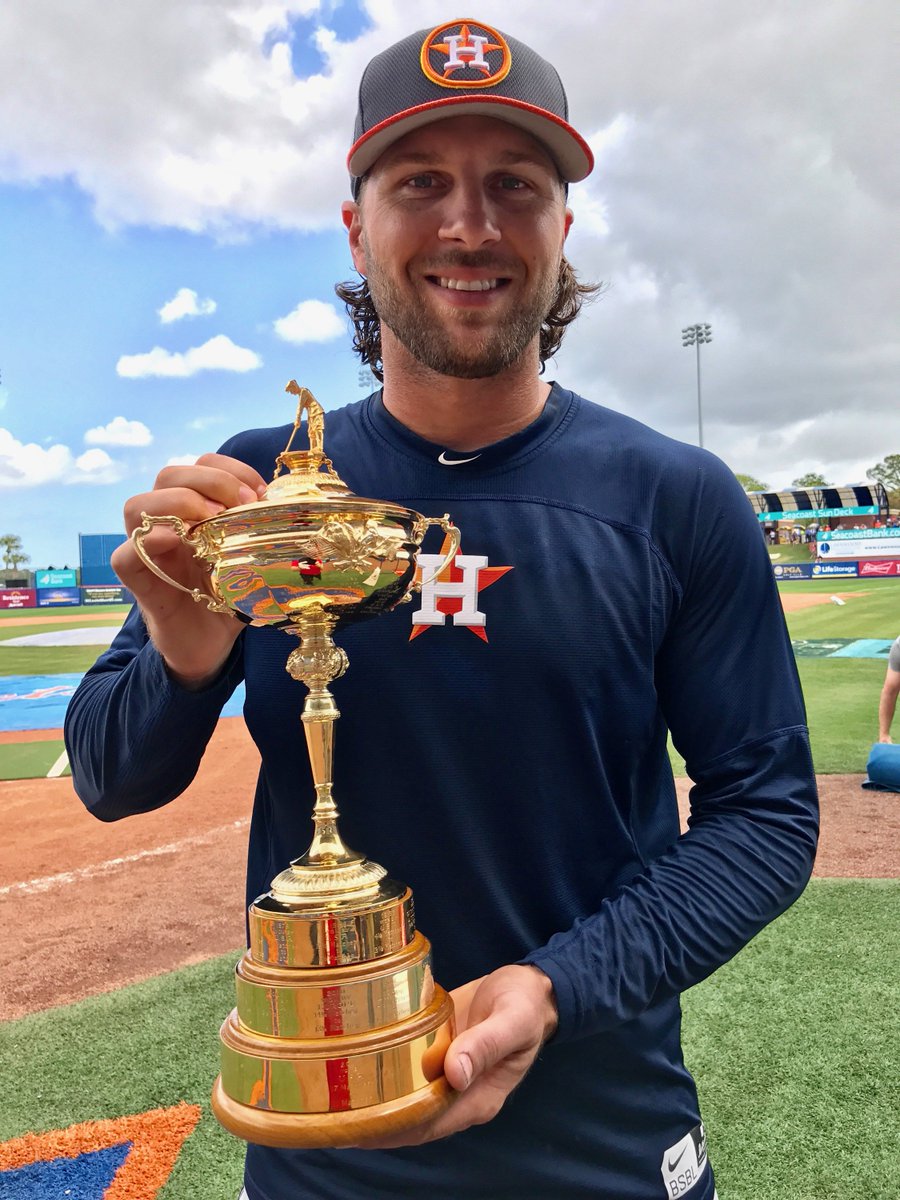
180 529
455 536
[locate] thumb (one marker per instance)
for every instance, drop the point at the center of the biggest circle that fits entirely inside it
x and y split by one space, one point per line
498 1031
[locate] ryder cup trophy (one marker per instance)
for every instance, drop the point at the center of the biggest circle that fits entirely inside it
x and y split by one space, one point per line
340 1031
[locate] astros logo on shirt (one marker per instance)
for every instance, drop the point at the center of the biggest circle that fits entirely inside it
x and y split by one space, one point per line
454 593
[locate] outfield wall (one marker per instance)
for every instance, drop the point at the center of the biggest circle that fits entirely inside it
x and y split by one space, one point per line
64 597
863 569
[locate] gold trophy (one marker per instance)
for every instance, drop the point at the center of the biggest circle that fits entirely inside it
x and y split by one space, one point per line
340 1031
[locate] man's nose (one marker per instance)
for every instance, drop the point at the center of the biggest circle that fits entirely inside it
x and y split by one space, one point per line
469 217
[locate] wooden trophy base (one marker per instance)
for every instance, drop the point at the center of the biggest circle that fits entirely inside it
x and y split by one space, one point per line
356 1127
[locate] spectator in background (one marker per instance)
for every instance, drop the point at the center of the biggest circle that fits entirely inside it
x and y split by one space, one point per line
888 703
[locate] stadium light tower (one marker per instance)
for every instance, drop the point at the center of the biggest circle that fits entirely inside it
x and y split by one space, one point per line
696 335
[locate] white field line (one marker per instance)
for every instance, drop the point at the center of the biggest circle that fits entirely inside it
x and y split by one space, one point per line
59 766
46 882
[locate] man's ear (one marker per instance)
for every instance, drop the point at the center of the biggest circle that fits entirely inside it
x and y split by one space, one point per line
570 217
352 218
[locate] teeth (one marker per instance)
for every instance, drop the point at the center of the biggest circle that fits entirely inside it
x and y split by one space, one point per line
470 285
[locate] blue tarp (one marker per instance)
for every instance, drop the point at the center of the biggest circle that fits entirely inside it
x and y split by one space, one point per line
40 701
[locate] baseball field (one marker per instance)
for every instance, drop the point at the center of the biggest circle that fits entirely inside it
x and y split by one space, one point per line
119 943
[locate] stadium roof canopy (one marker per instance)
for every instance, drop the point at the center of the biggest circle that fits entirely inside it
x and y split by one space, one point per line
854 500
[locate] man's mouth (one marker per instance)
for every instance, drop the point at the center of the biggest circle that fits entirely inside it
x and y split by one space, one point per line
468 285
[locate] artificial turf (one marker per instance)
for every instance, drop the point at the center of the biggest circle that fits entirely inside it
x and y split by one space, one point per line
792 1044
30 760
148 1046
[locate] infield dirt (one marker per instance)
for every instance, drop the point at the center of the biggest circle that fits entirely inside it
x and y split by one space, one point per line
88 907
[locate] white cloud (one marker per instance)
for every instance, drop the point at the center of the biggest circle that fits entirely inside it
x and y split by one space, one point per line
185 303
742 179
96 466
311 321
26 464
218 354
207 129
119 432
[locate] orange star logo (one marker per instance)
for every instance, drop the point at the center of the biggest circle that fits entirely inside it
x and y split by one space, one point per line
130 1158
464 47
453 604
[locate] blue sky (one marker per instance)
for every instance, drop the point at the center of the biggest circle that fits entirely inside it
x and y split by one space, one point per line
181 160
87 300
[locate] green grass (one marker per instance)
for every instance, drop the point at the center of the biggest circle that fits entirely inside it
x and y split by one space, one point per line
842 709
790 554
841 693
143 1047
52 660
872 611
29 760
74 610
47 660
792 1044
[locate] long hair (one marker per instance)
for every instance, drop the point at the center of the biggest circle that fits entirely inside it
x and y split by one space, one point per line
570 295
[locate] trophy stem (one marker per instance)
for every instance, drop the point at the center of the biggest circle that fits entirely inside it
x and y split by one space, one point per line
329 869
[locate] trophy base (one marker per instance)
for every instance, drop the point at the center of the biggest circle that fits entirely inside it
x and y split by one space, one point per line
355 1127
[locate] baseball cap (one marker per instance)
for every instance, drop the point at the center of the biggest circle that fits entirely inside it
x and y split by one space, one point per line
463 68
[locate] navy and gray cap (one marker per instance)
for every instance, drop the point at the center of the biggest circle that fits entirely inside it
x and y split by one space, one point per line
463 68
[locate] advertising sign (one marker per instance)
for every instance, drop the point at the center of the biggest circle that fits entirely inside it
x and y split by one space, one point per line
841 535
106 595
834 568
880 566
860 544
58 597
55 579
805 514
793 570
18 598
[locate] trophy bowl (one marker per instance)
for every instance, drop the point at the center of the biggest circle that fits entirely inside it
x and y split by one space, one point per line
340 1030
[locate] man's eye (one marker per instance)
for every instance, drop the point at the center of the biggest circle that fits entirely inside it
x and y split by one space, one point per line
422 181
511 183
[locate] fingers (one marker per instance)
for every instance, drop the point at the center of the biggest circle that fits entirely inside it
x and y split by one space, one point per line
193 493
215 471
213 483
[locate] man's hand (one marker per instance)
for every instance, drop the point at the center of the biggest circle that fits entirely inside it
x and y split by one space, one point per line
885 737
193 641
502 1020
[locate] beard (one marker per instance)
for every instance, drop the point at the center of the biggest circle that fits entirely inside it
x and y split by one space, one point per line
474 352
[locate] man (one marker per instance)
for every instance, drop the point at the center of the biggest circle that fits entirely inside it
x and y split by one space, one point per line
887 705
611 587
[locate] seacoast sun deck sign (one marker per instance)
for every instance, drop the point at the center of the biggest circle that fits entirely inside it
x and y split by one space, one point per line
809 504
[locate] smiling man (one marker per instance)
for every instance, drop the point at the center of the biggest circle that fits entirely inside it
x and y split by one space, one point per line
504 744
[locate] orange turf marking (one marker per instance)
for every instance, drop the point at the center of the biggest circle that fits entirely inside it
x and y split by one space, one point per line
156 1137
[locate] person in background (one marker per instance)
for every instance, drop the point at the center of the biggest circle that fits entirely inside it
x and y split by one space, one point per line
887 705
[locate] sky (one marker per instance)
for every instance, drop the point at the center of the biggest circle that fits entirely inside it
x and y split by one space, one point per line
171 174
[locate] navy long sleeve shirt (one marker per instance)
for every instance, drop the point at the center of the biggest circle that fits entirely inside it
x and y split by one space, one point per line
502 749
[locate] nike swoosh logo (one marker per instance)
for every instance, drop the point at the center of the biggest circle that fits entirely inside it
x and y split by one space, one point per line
672 1165
455 462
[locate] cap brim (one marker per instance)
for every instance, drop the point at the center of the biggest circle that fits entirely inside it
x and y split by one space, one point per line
566 146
